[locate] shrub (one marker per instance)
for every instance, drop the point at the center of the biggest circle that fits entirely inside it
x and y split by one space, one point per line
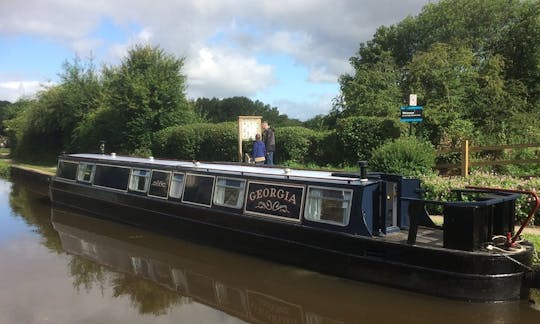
358 136
406 156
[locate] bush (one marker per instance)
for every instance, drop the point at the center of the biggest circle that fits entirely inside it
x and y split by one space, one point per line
406 156
207 142
358 136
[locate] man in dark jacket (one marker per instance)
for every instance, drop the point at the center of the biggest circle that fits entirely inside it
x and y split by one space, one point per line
269 140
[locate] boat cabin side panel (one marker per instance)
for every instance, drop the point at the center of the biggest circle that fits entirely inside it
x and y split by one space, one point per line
340 207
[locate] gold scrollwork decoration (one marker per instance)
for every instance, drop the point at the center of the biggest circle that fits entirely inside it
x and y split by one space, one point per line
273 206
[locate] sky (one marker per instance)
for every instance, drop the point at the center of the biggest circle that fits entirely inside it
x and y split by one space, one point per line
288 54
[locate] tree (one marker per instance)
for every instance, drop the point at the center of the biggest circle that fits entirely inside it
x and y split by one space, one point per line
143 95
222 110
475 65
373 90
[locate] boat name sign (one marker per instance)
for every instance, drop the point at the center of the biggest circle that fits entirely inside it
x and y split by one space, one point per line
274 200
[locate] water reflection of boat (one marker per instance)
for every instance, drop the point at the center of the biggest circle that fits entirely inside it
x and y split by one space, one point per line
369 227
255 290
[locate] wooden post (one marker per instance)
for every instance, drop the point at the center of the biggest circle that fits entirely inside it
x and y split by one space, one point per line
465 158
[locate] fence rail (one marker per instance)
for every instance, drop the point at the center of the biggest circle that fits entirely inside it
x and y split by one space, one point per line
466 163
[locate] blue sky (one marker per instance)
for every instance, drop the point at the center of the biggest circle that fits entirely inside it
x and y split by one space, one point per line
288 54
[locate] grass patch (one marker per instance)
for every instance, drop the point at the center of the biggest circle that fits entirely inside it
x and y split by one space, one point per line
4 150
45 168
534 239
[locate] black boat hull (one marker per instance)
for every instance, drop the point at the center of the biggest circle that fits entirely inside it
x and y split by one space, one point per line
447 273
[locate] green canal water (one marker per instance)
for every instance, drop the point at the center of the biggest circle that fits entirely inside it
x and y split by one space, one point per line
58 266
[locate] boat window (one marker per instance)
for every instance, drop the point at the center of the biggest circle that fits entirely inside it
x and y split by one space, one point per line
139 180
67 170
198 189
111 177
159 183
177 185
327 205
85 172
229 192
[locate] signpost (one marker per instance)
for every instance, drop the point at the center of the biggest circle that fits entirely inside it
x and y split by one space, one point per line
412 113
248 127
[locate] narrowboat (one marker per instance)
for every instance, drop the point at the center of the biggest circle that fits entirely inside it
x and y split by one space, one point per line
364 226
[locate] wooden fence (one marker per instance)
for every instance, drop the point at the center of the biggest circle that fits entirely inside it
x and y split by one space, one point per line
466 163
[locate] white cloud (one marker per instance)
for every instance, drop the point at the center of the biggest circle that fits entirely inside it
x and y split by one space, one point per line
219 39
53 18
220 73
13 90
119 51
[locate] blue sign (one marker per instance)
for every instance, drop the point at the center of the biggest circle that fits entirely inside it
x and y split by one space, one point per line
411 114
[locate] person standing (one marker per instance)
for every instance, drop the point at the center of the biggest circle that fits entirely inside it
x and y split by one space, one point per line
269 140
259 150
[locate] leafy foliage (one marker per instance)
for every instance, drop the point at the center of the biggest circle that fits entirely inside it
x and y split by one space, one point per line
475 65
293 144
438 188
41 128
4 169
228 109
202 141
147 94
358 136
406 156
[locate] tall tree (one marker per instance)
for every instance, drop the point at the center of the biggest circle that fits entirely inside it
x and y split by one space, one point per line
474 63
145 94
43 127
228 109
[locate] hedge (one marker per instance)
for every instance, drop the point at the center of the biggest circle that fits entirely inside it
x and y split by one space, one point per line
219 142
201 141
353 140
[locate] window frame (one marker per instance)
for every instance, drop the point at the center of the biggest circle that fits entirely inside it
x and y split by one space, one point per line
348 211
211 193
112 166
242 195
147 178
168 184
92 172
181 187
63 178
